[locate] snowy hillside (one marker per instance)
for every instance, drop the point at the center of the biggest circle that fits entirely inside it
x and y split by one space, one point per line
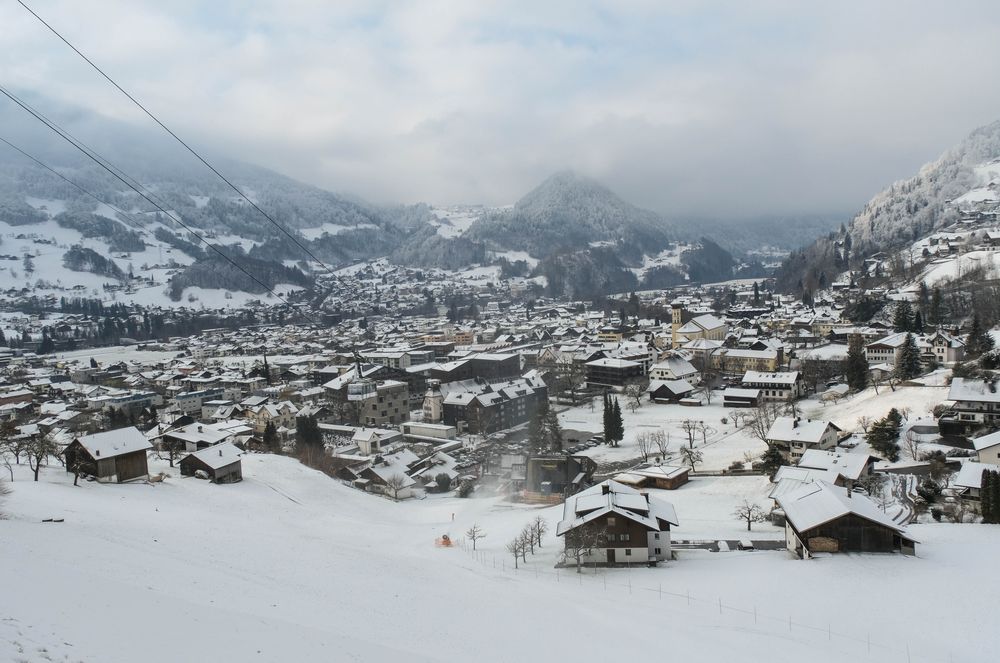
291 566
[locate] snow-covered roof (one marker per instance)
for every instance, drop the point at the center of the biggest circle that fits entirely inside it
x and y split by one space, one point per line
613 497
219 456
792 429
971 474
675 386
820 502
848 465
967 389
779 377
986 441
115 442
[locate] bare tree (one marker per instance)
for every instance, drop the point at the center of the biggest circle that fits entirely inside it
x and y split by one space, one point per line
581 541
38 450
644 444
872 484
5 456
662 441
515 547
865 422
749 512
634 391
764 416
526 543
395 484
475 533
689 426
691 456
703 429
911 443
539 527
528 536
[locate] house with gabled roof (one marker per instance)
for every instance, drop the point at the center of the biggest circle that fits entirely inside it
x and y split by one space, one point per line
823 518
793 437
220 463
114 455
620 524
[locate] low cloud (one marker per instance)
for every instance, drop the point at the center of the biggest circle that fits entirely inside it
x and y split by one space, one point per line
728 110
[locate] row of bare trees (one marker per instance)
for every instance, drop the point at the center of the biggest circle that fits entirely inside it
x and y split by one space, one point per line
526 541
652 442
35 449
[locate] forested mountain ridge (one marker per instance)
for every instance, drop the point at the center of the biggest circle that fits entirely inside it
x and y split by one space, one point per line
962 181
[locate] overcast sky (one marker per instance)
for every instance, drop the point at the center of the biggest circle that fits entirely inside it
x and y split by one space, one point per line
682 107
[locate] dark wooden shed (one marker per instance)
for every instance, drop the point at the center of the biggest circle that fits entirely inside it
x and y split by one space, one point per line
221 463
116 455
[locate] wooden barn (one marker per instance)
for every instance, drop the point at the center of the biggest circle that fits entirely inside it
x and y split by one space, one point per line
221 463
669 391
823 518
115 455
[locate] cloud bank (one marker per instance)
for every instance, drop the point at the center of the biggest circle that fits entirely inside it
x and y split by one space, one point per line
722 109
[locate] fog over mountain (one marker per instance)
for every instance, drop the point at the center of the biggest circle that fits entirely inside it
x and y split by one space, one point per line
681 108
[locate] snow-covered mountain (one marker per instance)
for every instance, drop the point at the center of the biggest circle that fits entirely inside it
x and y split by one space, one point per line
964 183
569 212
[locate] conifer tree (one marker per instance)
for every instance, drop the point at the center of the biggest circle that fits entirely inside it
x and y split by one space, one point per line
857 365
935 314
902 318
617 425
985 496
908 361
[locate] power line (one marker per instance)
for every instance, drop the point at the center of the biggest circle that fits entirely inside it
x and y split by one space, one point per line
66 179
178 139
91 152
100 163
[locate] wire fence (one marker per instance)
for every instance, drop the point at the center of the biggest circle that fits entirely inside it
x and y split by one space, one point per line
861 643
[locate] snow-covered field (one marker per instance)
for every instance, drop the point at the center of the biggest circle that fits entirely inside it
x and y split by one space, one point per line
721 444
919 401
947 269
289 565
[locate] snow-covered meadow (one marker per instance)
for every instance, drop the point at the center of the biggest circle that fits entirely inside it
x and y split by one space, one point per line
291 565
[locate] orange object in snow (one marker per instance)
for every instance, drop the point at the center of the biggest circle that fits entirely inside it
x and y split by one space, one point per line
443 542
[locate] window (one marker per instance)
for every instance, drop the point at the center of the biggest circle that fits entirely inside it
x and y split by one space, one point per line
611 522
625 537
657 551
657 536
628 552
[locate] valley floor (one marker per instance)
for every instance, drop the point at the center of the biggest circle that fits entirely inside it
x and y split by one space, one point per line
290 565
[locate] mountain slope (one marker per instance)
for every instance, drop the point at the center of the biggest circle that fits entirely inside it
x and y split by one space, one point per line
568 212
957 183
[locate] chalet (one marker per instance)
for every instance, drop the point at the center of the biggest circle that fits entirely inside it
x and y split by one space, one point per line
849 467
793 437
675 368
823 518
976 404
221 463
115 455
611 523
195 436
939 347
778 387
969 479
389 475
988 448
